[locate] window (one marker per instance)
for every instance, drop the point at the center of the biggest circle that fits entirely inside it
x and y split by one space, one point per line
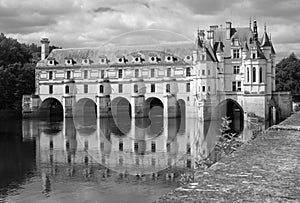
67 89
188 72
248 75
50 89
236 53
208 88
152 73
153 147
188 99
260 75
254 74
239 86
101 89
85 88
50 75
102 73
203 72
51 144
101 146
188 87
136 88
68 74
236 69
136 147
152 88
168 88
85 74
120 88
136 73
120 73
236 86
168 147
169 72
121 146
188 163
188 148
208 72
203 88
253 55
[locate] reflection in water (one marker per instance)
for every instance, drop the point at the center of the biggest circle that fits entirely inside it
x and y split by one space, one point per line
129 159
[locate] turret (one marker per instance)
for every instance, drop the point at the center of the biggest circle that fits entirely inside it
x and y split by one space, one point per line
266 44
44 47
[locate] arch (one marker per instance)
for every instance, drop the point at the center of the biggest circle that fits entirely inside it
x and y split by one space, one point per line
235 112
101 89
121 107
51 108
154 107
85 112
260 75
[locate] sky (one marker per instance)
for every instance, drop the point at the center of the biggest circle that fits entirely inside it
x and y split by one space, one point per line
92 23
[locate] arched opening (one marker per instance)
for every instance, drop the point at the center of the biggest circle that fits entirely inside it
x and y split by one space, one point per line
182 114
51 108
254 74
155 111
67 89
121 116
85 112
234 112
101 89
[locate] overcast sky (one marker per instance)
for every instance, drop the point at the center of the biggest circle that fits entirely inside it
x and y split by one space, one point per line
90 23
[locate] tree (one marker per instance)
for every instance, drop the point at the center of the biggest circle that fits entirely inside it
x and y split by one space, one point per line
288 75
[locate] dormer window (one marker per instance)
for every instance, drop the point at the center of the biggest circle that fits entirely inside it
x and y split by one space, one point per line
103 60
236 42
51 62
153 59
169 58
137 59
68 61
188 58
121 59
236 53
85 61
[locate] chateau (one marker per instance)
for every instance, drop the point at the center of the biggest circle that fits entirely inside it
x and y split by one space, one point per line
225 68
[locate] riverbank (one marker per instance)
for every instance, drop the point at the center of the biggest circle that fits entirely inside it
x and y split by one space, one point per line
267 169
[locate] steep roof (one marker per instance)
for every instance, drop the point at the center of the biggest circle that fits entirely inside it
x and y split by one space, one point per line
265 41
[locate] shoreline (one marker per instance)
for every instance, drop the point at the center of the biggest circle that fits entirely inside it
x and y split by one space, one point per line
264 169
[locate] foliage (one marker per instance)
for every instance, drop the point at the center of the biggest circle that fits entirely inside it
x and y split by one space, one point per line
227 143
288 75
17 63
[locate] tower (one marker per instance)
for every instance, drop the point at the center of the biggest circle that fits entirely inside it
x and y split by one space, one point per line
44 47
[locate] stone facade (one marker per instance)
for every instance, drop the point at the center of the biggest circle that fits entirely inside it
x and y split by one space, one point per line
224 64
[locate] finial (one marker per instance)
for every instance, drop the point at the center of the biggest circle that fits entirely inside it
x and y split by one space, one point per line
265 27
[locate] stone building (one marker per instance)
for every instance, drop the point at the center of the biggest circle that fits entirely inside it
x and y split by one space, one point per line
226 70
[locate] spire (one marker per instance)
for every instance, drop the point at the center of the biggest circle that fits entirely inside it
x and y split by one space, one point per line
265 41
219 48
255 34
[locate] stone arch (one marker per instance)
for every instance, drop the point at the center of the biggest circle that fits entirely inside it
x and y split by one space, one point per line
121 116
154 107
85 112
235 112
51 108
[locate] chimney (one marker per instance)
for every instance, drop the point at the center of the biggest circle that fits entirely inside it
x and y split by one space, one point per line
228 30
44 47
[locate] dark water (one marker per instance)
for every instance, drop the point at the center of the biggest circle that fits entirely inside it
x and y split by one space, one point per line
103 160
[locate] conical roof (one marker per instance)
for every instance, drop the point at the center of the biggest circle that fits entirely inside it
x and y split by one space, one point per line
219 48
265 41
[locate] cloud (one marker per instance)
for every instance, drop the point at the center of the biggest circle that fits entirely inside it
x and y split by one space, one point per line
104 9
81 23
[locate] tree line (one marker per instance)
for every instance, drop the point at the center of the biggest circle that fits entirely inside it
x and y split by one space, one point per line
17 75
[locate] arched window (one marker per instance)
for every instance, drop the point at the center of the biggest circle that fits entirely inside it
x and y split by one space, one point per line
168 88
260 75
67 89
101 89
248 75
136 88
254 74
